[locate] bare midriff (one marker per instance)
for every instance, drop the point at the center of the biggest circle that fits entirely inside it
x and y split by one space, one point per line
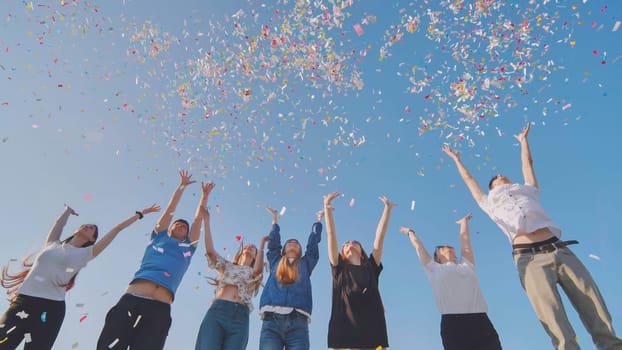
230 293
539 235
151 290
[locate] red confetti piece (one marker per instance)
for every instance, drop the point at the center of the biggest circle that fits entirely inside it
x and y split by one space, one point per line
238 238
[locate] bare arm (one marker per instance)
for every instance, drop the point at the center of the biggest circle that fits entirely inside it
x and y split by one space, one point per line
468 179
167 216
258 267
381 229
422 253
331 234
105 241
465 239
529 174
57 229
209 244
195 228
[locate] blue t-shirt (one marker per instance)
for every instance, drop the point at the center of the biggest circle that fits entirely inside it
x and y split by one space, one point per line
165 261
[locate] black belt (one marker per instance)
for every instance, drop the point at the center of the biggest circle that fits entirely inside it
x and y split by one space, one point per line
545 248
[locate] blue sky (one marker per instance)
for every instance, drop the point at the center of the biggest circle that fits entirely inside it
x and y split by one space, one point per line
102 102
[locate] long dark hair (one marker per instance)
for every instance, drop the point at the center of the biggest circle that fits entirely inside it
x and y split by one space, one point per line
12 282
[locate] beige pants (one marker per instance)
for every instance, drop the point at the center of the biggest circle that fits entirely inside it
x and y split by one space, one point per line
541 273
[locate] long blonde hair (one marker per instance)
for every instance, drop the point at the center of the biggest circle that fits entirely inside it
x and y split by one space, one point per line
287 273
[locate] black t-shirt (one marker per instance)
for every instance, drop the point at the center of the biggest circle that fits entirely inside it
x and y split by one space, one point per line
357 318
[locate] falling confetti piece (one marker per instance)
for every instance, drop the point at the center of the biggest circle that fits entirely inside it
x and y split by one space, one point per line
44 316
282 212
75 345
412 205
4 340
358 29
137 320
22 314
595 257
83 317
167 274
351 202
88 196
616 26
566 106
27 338
187 254
114 342
238 238
35 126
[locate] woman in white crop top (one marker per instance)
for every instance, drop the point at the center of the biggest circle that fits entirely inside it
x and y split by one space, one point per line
226 323
464 321
37 307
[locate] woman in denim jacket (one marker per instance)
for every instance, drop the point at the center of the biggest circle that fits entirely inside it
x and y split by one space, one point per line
286 301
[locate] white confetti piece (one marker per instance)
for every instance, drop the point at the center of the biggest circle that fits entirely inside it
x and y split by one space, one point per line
412 205
351 202
69 270
282 212
616 26
11 329
137 320
22 314
113 343
27 338
595 257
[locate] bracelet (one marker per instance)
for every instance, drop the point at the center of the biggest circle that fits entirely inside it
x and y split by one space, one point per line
140 215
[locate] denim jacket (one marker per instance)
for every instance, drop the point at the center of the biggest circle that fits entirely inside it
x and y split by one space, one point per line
298 294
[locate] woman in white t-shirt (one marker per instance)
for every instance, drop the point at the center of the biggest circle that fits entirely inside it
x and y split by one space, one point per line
464 322
37 307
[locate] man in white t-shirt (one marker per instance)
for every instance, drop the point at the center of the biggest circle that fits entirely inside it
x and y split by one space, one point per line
542 259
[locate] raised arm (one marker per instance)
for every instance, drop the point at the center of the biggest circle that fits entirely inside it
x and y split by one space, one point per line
381 229
422 253
529 174
274 245
312 252
195 227
209 243
468 179
258 267
167 216
465 239
105 241
57 229
331 234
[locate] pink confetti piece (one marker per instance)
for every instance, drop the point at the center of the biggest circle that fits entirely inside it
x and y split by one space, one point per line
167 274
83 317
358 29
351 202
88 196
35 126
187 254
566 106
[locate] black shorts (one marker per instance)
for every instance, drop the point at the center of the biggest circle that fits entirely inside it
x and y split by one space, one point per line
469 332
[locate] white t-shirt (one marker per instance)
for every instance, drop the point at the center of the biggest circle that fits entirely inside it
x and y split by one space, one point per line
456 287
516 208
53 268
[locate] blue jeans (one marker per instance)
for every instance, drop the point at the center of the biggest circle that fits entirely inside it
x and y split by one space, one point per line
540 273
224 327
289 332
